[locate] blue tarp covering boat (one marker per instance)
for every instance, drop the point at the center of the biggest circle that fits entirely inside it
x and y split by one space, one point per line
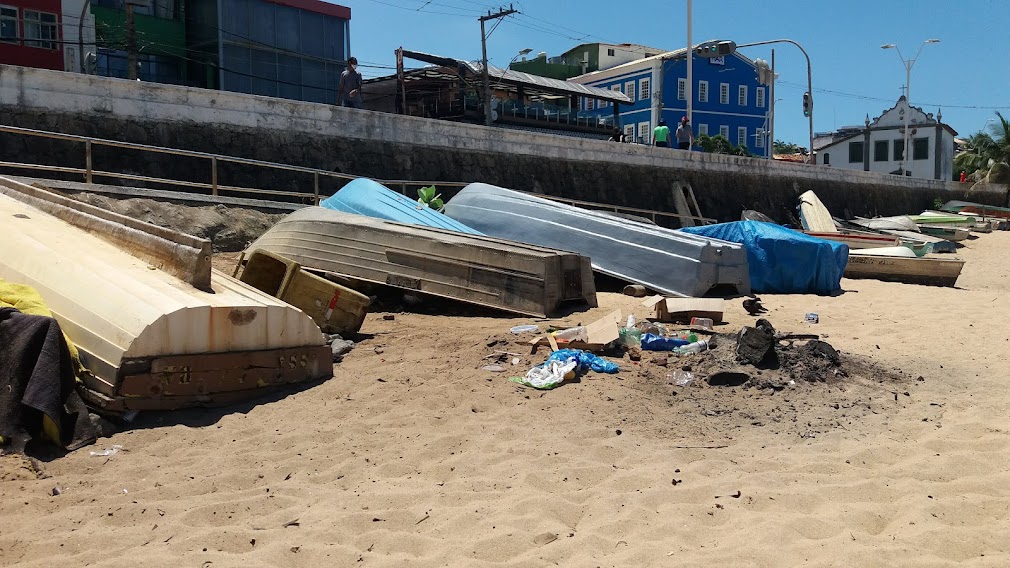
781 260
371 199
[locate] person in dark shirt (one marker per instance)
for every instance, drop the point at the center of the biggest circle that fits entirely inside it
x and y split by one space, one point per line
349 88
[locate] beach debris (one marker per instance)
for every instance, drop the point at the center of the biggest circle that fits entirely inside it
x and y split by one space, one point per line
756 345
493 368
291 523
562 364
389 317
56 492
599 334
340 347
524 329
683 309
753 306
811 317
107 452
680 378
728 379
703 323
635 290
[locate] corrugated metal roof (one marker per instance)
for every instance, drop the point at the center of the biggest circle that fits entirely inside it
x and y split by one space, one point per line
525 79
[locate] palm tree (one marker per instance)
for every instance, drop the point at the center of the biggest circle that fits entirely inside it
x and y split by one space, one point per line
987 154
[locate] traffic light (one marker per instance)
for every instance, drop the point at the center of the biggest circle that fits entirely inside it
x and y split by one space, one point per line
715 49
808 104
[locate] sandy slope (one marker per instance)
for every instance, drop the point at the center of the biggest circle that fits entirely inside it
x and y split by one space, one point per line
412 455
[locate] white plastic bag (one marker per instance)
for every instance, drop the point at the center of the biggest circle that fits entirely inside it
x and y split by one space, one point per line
549 375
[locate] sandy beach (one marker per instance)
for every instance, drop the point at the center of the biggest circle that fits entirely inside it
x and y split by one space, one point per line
413 455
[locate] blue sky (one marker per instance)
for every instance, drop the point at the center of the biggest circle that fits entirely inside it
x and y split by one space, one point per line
967 75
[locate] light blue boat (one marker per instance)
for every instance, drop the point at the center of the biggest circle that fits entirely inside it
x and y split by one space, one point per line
371 199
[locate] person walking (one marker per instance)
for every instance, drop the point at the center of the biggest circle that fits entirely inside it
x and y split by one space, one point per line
349 87
661 135
685 135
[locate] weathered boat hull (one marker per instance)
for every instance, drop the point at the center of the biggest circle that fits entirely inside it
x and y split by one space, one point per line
949 233
663 260
978 209
372 199
814 216
926 271
857 241
492 272
147 339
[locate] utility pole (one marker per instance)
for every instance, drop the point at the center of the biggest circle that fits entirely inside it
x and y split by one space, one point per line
131 43
771 121
690 72
502 12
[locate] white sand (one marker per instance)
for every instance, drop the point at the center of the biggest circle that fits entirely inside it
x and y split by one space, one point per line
443 464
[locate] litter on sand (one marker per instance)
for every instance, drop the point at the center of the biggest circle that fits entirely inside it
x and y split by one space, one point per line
564 364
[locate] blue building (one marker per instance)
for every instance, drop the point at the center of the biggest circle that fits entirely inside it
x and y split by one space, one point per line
728 99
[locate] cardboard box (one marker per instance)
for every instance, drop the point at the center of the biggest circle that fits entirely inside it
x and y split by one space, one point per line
681 310
602 332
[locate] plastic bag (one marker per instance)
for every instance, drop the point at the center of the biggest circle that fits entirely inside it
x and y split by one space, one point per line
652 342
584 359
548 375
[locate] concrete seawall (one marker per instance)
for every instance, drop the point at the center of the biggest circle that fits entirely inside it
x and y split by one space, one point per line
399 147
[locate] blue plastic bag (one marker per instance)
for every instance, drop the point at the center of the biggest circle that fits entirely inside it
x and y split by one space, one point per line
584 360
651 342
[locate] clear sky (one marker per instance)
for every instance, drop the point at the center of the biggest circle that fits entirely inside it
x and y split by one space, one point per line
967 75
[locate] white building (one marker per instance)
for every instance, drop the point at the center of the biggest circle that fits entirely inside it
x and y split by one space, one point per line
878 146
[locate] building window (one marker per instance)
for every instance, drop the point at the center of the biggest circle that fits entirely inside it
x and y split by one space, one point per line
681 89
880 148
827 159
629 132
41 30
741 96
920 149
741 136
8 24
643 132
724 131
759 139
610 52
724 93
629 89
644 92
590 104
760 97
899 149
702 91
702 129
855 152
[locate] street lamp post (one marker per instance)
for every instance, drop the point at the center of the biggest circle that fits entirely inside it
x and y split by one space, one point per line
810 86
908 63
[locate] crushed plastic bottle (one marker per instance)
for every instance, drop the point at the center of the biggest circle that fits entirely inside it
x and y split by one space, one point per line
630 336
680 378
578 333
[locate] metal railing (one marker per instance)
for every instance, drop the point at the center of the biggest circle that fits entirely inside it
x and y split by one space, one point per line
215 187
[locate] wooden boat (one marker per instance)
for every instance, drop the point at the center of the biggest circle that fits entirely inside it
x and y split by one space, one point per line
366 197
895 223
939 218
950 233
481 270
814 216
148 339
663 260
976 209
926 271
857 240
897 252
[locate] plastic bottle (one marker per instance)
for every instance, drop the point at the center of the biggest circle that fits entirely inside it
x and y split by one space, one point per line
573 334
696 347
630 336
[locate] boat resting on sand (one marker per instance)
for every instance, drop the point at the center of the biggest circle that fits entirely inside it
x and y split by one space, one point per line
481 270
857 241
927 271
363 196
976 209
663 260
949 233
814 216
149 339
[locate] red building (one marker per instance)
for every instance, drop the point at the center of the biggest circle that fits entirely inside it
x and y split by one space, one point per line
31 33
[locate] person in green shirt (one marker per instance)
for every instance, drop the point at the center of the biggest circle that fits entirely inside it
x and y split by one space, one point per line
661 135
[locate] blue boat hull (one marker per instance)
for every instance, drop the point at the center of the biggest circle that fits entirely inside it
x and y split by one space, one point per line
371 199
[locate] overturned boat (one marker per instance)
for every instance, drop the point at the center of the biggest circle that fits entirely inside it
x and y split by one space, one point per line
511 276
910 270
155 326
363 196
664 260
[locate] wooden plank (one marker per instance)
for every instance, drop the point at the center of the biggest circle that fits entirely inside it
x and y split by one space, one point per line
683 309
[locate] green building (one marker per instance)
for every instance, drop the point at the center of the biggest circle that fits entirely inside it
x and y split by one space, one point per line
585 58
160 36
